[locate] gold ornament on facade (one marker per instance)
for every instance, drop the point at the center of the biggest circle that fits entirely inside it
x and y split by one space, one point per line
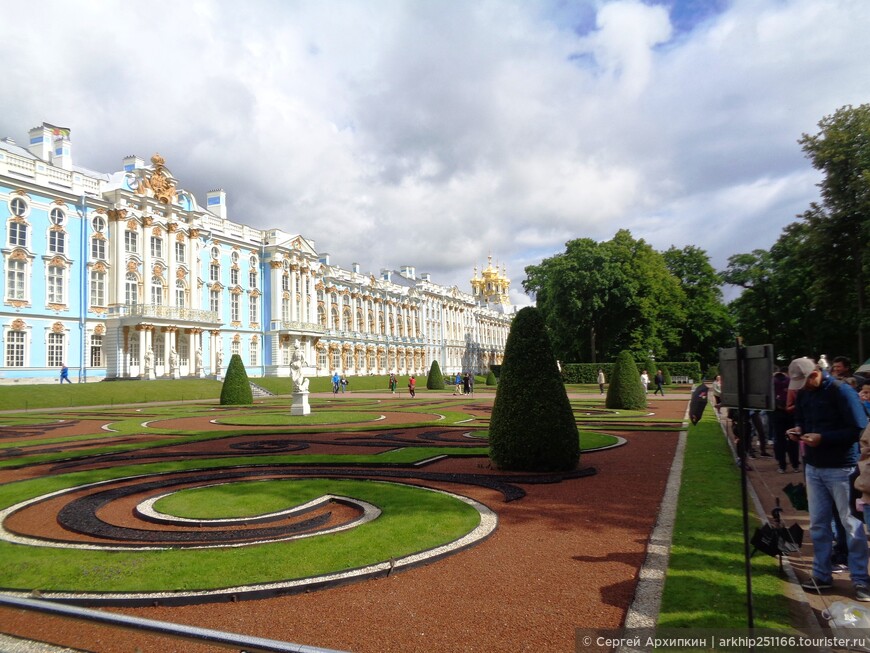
18 255
100 267
100 329
57 327
157 271
157 231
148 220
237 338
194 233
18 325
158 182
57 260
132 225
275 265
180 273
132 266
16 303
20 193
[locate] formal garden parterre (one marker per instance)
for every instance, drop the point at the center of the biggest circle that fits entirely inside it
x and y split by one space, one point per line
423 465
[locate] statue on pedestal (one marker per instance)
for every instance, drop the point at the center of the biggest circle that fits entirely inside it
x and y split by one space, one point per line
149 359
297 362
173 359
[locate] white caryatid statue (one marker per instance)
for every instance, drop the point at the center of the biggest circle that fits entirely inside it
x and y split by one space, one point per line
823 363
300 383
297 363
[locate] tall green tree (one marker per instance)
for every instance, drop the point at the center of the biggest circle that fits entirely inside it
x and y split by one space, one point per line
708 324
840 223
600 298
808 294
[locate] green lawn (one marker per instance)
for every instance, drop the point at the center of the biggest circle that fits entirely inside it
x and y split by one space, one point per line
705 585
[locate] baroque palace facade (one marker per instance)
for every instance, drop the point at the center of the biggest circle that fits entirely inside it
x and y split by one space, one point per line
124 275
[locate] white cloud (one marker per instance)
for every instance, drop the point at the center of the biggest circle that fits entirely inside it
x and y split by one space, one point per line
432 134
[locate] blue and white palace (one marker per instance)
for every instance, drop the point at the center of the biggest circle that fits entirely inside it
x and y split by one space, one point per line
126 275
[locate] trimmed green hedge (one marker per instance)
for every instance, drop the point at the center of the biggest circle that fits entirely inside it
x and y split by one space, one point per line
236 390
435 381
625 390
588 372
532 427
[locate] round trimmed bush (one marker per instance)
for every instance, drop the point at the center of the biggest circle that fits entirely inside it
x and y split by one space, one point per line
435 381
490 378
532 427
236 390
625 390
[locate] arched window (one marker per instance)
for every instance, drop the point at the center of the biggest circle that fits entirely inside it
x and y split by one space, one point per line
180 289
131 289
157 290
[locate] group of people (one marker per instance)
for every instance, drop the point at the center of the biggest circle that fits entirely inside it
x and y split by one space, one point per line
820 419
658 379
463 384
412 384
339 383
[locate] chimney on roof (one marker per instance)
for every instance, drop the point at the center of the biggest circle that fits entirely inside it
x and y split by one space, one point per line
132 162
409 272
216 202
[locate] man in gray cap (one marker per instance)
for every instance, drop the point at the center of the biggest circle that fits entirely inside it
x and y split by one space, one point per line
829 419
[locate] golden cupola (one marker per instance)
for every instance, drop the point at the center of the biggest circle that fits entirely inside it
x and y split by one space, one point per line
492 287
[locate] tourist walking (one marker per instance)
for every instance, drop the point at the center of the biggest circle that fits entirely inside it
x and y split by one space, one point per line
392 383
412 386
336 382
64 373
659 381
466 385
644 381
829 420
601 380
457 384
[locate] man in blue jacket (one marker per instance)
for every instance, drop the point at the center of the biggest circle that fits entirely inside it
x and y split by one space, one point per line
829 419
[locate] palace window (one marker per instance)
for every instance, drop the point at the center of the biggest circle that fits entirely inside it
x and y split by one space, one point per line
321 359
235 347
133 351
252 279
234 276
131 242
214 272
254 311
234 308
96 350
55 350
285 282
15 348
180 251
336 359
17 234
99 224
285 309
214 301
98 249
156 247
253 349
56 242
57 217
131 289
98 288
157 290
18 207
56 284
180 289
16 279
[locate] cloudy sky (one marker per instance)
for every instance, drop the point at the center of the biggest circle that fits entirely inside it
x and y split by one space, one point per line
435 132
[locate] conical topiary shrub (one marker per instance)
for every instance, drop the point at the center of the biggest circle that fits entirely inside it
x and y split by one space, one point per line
532 427
625 390
490 378
236 390
435 381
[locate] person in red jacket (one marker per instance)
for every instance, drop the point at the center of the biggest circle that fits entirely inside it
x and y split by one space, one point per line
412 386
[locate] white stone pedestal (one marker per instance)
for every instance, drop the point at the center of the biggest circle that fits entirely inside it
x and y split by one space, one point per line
149 375
300 404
